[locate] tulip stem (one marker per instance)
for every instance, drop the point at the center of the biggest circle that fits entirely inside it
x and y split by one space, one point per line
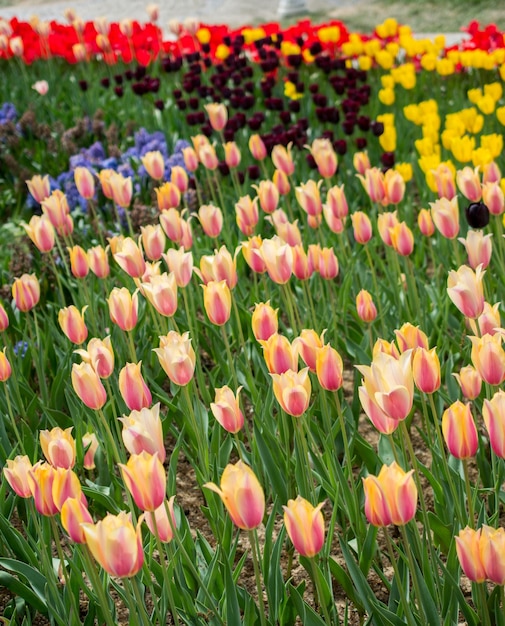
304 458
61 556
230 357
13 420
131 345
404 600
203 451
108 432
257 575
469 498
413 570
376 289
484 612
319 590
58 280
92 572
286 292
164 570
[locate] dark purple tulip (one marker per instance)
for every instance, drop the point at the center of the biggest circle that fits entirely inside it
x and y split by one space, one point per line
253 172
83 85
105 82
477 215
340 146
118 90
388 159
159 104
377 128
181 104
361 143
223 168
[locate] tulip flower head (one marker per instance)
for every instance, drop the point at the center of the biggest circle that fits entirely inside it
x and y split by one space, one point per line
488 358
305 526
144 476
466 290
217 301
365 307
100 355
226 409
142 431
5 367
445 215
71 322
88 386
116 544
41 232
159 523
58 446
26 292
90 447
292 391
74 513
242 495
123 308
390 497
180 263
460 432
16 474
264 321
493 412
177 357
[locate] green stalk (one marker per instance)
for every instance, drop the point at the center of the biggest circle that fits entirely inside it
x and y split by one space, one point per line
74 607
12 418
319 590
403 597
164 570
413 570
468 489
376 289
92 572
229 355
257 576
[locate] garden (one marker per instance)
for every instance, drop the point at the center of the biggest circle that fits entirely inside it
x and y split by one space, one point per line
251 351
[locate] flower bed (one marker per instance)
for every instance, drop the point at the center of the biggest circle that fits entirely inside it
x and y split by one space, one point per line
252 367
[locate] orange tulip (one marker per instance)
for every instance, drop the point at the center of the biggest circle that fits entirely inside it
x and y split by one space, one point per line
305 526
133 387
217 301
390 497
88 386
292 391
459 430
26 292
144 477
16 474
58 446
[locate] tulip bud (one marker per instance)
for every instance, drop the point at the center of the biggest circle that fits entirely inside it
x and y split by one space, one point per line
121 189
246 211
251 250
79 265
88 386
142 431
329 368
211 219
402 239
133 387
5 367
362 227
71 322
218 115
232 154
242 495
179 177
123 308
145 479
159 523
459 431
268 195
41 232
493 412
281 181
470 382
282 159
153 241
280 355
84 182
154 164
365 306
226 409
90 446
470 555
257 147
325 157
425 223
390 497
292 391
26 292
73 514
264 321
98 261
217 301
305 526
373 183
361 162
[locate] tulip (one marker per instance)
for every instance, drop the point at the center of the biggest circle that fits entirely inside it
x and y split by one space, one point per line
386 222
90 447
278 258
292 391
489 321
40 479
325 157
488 358
388 347
39 188
171 222
66 485
301 267
159 523
180 263
142 431
425 223
16 474
217 301
257 147
218 115
426 370
282 159
409 337
394 187
161 292
105 177
123 308
493 197
288 232
190 159
281 181
242 495
100 355
307 346
98 261
390 497
145 478
88 386
232 154
465 289
492 550
208 157
478 247
116 544
79 265
493 412
470 382
133 387
4 319
445 215
154 164
168 196
177 357
179 178
469 553
251 250
71 322
389 383
280 356
73 514
220 266
5 367
460 433
246 212
361 162
268 195
329 368
402 239
26 292
365 307
337 202
226 409
264 321
56 208
305 526
375 414
444 181
211 219
128 256
362 227
328 264
308 197
41 232
58 446
153 241
373 183
84 182
468 182
121 189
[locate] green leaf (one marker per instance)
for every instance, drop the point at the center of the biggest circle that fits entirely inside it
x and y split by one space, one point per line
35 579
307 614
271 462
232 607
18 588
